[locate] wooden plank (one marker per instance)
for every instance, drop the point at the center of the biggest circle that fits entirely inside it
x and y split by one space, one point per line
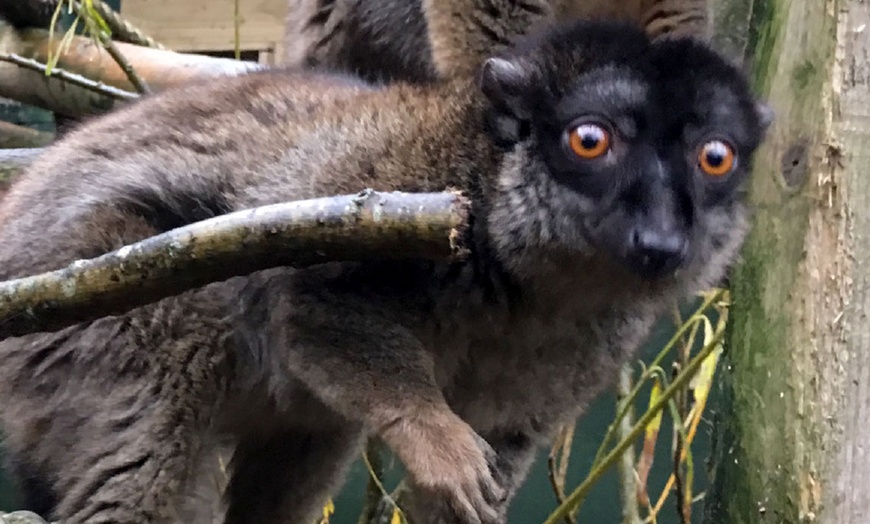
208 25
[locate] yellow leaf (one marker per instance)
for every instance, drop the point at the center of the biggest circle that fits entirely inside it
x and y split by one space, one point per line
653 428
328 510
396 518
703 381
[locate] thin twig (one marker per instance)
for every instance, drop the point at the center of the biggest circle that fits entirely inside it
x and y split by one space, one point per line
712 297
237 22
109 45
380 486
696 413
122 29
122 62
627 473
72 78
577 496
679 486
557 465
374 495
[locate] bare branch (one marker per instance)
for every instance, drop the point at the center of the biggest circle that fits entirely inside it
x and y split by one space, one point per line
122 30
626 467
557 465
21 517
106 41
72 78
140 85
368 225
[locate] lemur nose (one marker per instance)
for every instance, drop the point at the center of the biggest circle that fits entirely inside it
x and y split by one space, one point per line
655 253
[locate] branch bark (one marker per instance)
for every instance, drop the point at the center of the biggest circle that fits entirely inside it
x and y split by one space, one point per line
21 517
369 225
122 30
70 78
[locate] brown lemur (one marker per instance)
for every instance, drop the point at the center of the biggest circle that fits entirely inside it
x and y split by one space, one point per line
606 174
423 40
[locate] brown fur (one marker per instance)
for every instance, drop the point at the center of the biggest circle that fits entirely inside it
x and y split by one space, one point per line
462 369
422 40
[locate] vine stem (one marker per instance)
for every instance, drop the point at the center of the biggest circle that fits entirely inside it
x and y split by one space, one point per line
576 497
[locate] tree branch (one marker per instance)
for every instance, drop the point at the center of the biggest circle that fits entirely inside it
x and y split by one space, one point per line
134 78
368 225
21 517
122 30
72 78
109 45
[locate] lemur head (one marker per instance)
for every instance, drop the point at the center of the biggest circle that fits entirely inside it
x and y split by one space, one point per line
622 149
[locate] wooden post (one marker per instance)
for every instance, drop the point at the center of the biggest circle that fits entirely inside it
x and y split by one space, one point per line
792 439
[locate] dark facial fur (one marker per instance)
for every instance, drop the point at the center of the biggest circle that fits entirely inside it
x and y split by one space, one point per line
646 203
462 369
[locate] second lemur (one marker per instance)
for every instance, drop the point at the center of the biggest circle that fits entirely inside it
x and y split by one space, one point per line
424 40
606 174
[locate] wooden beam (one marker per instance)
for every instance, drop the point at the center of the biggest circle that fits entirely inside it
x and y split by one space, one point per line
15 136
161 69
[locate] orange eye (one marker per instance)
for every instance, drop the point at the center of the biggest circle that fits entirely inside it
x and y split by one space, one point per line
589 141
716 158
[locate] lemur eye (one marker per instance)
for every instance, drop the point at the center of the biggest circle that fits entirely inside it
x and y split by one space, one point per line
716 158
589 141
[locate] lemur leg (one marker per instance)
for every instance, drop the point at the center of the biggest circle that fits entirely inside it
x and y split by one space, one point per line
136 476
515 454
375 372
123 445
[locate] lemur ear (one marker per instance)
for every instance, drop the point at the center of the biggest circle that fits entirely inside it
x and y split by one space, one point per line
506 82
